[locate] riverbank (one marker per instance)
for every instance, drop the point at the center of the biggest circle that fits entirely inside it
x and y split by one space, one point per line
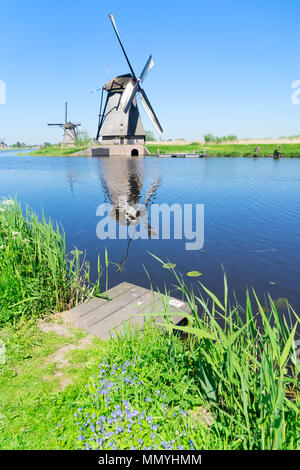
217 150
221 386
58 151
230 150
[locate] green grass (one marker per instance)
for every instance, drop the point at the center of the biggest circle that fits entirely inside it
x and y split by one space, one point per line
37 414
246 363
58 151
228 150
36 278
33 407
222 387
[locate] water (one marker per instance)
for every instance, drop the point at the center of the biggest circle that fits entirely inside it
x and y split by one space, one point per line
252 223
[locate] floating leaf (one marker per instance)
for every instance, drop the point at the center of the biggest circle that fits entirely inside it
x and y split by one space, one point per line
169 266
194 274
281 304
272 283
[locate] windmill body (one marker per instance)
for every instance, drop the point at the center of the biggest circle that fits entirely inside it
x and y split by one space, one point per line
70 133
120 122
70 129
3 145
120 127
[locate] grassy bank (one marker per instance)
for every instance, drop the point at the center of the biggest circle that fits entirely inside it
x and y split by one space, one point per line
217 150
229 150
53 151
227 380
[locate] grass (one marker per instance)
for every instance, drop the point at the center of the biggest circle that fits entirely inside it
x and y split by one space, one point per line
153 385
35 275
222 387
247 368
58 151
228 150
32 404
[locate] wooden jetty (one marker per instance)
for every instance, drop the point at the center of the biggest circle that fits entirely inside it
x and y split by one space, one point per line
101 317
181 155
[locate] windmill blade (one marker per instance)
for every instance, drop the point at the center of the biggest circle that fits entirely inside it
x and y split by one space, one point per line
135 89
127 94
150 111
112 19
149 65
131 91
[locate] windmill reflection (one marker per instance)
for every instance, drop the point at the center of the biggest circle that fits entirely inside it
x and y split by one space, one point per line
123 185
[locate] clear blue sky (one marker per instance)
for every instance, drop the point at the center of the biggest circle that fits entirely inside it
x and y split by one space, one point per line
221 66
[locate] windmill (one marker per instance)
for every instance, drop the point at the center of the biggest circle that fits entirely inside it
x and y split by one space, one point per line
70 129
120 122
3 145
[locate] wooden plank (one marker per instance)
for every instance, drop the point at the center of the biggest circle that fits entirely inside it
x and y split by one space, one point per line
147 304
109 307
128 303
96 302
124 314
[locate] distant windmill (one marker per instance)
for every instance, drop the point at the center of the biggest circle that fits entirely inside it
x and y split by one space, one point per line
3 145
120 121
70 129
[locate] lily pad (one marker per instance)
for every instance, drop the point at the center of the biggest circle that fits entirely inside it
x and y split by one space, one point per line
169 266
194 274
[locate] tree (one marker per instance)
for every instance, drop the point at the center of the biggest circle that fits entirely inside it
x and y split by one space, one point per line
149 136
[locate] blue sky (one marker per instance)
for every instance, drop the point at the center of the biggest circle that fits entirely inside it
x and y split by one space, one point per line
223 66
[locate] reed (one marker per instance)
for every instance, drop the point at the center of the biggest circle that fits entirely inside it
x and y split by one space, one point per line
246 363
36 276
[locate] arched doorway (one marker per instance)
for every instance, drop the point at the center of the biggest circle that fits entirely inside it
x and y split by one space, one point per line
134 153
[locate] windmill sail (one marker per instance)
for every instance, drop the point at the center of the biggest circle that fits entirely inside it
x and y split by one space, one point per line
149 65
112 19
131 91
150 111
127 94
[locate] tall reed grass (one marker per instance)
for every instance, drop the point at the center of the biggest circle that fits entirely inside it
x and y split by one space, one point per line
245 360
36 276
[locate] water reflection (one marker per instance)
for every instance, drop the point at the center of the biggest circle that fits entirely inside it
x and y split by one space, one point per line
123 184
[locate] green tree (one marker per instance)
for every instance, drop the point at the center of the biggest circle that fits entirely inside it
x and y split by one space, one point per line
149 136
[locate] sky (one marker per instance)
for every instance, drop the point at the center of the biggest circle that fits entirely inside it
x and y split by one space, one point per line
221 66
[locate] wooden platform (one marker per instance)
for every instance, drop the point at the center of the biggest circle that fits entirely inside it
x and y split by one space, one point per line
101 317
181 155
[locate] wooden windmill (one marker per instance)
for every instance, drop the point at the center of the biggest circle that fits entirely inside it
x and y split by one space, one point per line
70 129
3 145
120 122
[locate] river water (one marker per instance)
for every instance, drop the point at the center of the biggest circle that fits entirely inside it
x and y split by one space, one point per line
251 215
